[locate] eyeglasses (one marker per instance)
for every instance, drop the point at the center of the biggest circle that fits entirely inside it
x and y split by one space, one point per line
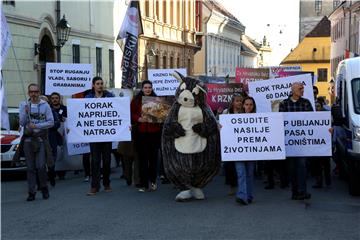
34 91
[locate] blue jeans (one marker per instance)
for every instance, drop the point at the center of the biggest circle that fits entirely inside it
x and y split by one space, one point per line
297 174
245 178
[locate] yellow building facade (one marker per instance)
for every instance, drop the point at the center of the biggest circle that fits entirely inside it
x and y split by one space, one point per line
313 55
169 39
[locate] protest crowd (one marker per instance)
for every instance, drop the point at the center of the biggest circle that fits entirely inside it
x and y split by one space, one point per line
188 129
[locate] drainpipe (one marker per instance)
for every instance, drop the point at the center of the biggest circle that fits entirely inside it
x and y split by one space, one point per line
206 41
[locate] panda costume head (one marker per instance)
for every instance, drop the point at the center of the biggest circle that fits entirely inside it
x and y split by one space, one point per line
190 140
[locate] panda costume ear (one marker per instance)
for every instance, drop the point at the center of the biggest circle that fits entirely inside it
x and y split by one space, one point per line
178 76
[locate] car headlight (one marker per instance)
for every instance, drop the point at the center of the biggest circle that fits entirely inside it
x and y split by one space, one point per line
16 147
356 133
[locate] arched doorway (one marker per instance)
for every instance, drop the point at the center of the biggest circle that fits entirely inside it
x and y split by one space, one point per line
46 54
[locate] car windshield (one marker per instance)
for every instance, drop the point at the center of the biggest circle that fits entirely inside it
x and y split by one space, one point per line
14 121
355 83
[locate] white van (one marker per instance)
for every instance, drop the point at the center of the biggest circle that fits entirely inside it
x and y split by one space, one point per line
348 132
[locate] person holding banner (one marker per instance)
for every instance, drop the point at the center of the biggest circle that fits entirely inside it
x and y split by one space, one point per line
100 151
235 106
297 165
245 169
147 140
36 117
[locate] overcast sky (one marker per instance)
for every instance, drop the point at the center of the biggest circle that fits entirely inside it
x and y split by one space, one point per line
269 17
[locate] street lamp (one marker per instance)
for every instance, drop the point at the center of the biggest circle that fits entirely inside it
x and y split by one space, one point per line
62 35
62 31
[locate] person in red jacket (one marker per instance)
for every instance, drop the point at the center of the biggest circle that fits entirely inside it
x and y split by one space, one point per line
147 140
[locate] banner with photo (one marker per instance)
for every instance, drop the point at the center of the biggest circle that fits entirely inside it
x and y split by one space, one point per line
99 120
219 95
253 136
164 84
307 134
156 109
269 93
246 75
67 78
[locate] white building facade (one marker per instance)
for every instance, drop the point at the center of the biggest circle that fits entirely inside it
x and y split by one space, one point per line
33 28
222 32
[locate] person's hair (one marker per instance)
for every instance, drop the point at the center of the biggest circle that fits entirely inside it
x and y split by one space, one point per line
141 93
316 88
32 84
295 84
231 105
253 100
96 78
55 93
146 82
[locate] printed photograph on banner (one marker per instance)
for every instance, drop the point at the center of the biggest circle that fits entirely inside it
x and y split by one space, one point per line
307 134
156 109
252 136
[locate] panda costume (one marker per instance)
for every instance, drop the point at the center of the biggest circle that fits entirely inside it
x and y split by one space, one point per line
190 140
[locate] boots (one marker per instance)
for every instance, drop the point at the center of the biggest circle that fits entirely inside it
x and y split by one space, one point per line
31 197
45 193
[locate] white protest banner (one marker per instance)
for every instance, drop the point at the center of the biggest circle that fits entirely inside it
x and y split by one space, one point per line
99 120
252 136
269 93
164 84
307 134
81 148
68 79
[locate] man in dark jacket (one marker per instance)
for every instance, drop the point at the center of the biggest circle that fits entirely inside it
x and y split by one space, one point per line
296 103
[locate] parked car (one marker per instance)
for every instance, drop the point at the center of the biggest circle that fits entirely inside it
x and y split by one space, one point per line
9 142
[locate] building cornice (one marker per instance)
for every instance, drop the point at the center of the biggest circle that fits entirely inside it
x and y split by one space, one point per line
223 38
305 61
30 22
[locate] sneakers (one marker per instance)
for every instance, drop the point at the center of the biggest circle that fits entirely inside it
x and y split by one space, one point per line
141 190
108 189
92 192
87 179
153 186
45 193
31 197
241 201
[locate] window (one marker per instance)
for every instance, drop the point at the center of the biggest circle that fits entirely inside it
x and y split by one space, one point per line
98 61
322 74
172 6
171 62
157 64
76 53
318 6
164 62
164 12
147 8
336 4
355 84
178 62
189 67
157 9
111 69
12 3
